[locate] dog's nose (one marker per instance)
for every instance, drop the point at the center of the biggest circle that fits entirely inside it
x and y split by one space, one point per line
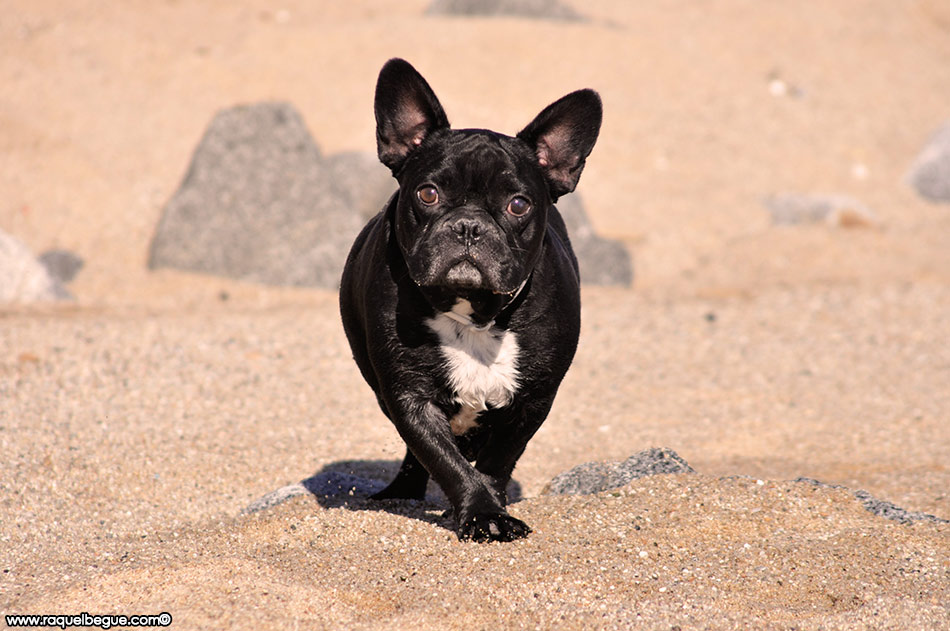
467 230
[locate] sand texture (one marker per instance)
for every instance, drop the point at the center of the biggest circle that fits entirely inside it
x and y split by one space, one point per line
139 420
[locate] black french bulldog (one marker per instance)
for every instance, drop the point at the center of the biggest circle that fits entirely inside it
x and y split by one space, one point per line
461 299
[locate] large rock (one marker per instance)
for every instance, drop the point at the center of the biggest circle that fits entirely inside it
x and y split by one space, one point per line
930 173
544 9
259 202
24 279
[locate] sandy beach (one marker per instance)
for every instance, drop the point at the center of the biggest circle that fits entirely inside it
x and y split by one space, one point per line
140 419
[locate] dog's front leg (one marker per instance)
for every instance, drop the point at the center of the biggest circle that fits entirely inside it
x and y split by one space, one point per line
410 482
507 441
479 514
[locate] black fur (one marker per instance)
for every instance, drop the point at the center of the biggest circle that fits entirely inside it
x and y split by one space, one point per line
415 260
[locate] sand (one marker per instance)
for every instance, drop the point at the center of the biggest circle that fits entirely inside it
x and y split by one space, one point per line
139 420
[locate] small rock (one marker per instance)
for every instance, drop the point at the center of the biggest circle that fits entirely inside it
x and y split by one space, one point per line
544 9
930 172
835 210
594 477
274 498
780 87
62 265
601 261
23 279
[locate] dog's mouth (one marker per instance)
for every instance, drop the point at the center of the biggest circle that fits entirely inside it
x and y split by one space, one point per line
464 275
463 280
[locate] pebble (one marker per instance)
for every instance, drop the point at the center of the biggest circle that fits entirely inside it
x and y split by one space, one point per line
24 279
832 209
930 173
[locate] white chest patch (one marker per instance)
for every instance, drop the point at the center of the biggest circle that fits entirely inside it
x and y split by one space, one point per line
482 365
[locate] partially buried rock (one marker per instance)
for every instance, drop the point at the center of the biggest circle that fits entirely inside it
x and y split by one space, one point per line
879 507
594 477
23 279
544 9
835 210
930 173
332 488
260 203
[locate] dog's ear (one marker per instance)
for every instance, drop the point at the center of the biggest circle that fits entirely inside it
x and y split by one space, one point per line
407 111
562 137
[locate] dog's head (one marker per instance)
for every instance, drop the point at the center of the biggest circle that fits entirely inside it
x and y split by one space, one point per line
472 209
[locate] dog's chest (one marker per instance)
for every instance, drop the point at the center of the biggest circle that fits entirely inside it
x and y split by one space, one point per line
481 366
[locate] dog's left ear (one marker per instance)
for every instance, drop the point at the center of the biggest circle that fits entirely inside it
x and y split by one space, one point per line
407 111
562 136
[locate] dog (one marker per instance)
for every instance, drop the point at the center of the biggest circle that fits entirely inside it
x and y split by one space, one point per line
461 298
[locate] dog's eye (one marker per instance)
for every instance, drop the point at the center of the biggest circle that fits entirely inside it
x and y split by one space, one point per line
518 206
428 195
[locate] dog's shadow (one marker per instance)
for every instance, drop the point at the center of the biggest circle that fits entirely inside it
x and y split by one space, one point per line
350 483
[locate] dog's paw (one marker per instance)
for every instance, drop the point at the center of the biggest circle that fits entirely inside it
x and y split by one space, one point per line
493 527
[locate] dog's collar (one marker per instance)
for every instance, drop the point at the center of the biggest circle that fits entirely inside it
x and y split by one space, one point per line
469 323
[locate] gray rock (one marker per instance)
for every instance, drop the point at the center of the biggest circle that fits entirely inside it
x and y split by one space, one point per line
601 261
274 498
881 508
23 279
836 210
594 477
364 184
62 265
930 172
544 9
259 202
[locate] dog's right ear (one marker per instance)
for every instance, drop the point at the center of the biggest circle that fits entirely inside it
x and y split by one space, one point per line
407 111
562 136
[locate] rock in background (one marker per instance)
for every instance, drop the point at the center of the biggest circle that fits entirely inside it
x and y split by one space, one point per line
23 278
834 210
602 261
260 203
62 265
930 173
544 9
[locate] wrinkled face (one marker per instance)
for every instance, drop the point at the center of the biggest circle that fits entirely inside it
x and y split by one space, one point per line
471 216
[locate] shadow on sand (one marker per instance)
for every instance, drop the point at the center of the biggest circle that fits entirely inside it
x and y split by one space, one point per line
350 483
